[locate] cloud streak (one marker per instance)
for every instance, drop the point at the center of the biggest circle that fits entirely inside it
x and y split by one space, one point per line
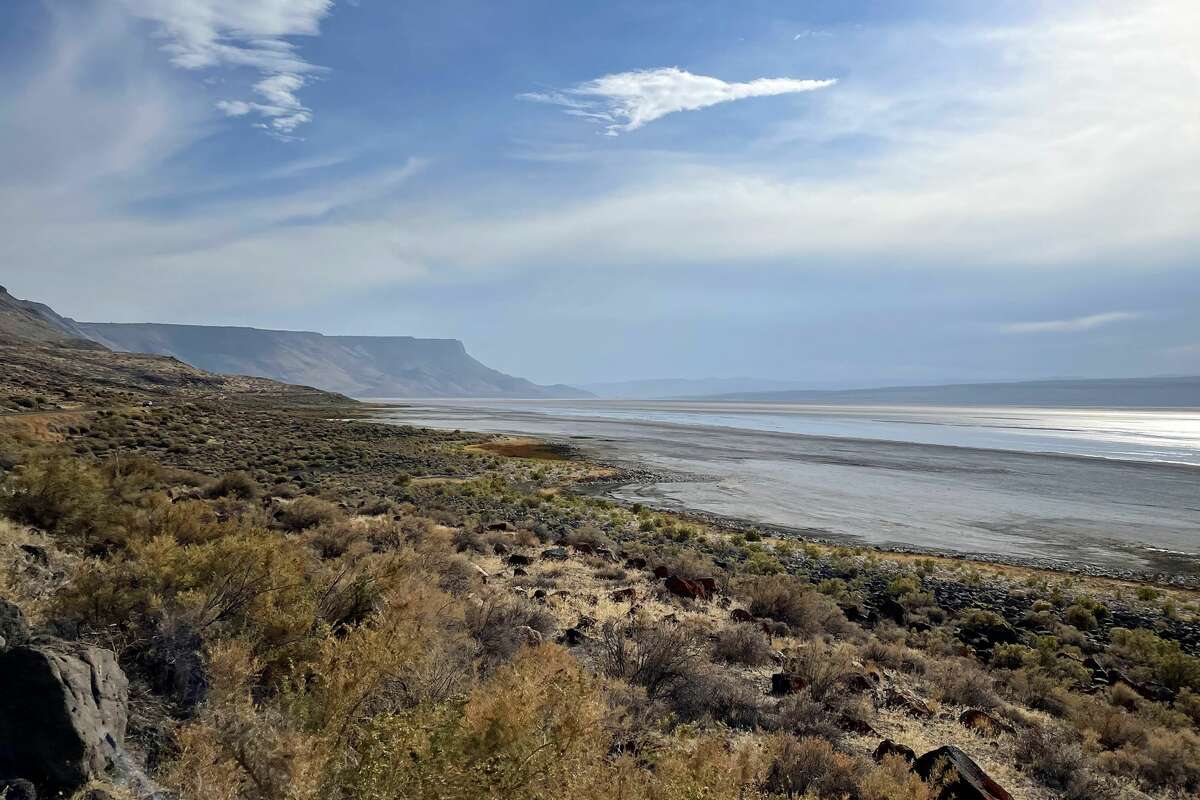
1073 325
207 34
626 101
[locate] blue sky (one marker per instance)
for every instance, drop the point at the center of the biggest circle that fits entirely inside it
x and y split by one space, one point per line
840 193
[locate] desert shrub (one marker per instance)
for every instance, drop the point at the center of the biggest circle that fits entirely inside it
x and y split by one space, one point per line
822 668
896 655
238 485
709 693
810 768
59 494
893 780
691 565
655 656
962 683
1188 702
532 731
801 715
1081 617
467 540
589 535
1052 755
306 512
247 584
1038 690
1163 659
789 600
494 624
1165 760
742 644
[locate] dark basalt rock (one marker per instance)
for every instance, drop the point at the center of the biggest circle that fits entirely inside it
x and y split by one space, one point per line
17 789
63 711
518 560
13 630
967 781
784 683
889 748
682 587
555 553
741 615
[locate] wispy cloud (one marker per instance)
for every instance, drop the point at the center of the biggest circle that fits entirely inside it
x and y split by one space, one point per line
204 34
626 101
1073 325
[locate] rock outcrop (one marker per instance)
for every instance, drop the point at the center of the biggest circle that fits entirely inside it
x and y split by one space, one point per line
63 711
959 777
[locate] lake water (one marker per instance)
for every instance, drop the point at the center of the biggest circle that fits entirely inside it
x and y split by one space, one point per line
1119 488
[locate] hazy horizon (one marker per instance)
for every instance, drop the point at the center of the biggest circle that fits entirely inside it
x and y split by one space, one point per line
840 194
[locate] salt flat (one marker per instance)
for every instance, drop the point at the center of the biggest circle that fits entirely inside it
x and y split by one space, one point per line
1119 489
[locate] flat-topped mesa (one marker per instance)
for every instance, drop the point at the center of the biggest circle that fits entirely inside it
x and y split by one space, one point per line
359 366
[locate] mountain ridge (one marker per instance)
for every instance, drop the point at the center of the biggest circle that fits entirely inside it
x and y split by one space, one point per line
358 366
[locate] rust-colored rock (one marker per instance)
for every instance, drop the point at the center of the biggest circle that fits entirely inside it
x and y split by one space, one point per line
682 587
661 572
979 720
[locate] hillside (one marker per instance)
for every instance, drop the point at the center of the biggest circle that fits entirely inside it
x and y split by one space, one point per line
26 321
359 366
1169 392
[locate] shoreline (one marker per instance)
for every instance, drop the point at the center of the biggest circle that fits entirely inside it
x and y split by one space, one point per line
627 474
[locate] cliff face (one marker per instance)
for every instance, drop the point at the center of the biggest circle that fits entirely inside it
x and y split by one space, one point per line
359 366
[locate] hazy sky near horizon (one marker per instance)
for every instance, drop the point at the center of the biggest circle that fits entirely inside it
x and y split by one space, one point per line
841 192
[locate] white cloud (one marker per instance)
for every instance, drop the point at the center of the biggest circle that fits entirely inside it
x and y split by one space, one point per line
626 101
1072 325
203 34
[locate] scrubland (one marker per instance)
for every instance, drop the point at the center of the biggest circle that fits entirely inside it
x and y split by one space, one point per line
310 607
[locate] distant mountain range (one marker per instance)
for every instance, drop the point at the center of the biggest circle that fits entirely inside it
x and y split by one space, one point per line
1163 392
665 388
357 366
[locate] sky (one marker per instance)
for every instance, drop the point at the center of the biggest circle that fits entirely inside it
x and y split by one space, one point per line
836 192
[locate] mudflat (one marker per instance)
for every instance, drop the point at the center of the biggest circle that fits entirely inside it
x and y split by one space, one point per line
1059 509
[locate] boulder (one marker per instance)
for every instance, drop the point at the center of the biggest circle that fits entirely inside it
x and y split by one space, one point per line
709 584
906 701
555 553
572 637
500 526
783 683
528 635
661 571
17 789
889 748
63 711
584 548
682 587
13 630
892 610
958 775
500 549
518 560
987 724
741 615
624 594
636 563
